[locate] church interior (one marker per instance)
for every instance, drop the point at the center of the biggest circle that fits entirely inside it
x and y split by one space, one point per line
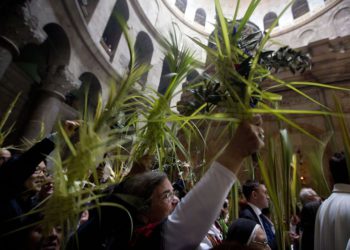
106 65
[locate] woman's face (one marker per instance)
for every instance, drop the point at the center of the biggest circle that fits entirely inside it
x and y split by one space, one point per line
163 202
37 179
38 241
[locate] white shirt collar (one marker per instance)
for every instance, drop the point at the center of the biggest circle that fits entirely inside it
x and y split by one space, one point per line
341 188
257 210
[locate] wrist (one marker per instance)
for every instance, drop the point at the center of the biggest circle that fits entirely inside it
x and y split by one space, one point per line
233 163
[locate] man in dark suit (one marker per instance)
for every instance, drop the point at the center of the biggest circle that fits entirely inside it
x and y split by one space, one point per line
258 199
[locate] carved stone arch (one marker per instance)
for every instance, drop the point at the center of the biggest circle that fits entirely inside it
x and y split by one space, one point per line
35 60
144 52
269 18
90 88
58 45
306 36
113 32
47 66
341 21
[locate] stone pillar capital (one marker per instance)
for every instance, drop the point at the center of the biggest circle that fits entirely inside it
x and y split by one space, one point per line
20 27
60 80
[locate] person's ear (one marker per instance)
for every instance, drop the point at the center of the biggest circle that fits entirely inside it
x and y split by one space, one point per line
254 194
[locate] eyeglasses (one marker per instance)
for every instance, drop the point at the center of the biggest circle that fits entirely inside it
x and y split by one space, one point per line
170 195
264 243
41 171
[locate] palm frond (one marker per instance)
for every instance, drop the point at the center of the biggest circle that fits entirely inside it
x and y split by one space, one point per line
344 132
4 118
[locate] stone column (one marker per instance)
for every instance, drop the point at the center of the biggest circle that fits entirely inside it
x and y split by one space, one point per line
58 82
17 28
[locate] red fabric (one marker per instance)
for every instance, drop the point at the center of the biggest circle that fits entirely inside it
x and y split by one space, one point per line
146 230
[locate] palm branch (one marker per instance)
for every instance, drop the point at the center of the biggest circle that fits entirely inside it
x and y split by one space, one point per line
4 118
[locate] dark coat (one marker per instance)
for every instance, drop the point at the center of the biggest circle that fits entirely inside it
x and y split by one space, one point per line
17 170
307 222
112 227
13 175
248 213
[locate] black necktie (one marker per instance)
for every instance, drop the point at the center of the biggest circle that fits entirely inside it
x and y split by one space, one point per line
268 229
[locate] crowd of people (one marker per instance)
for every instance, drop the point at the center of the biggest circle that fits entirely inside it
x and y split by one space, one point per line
159 214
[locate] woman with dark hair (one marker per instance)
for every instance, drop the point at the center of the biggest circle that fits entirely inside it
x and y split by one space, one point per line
160 220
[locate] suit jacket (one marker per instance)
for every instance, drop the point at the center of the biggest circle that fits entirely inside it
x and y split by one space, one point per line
248 213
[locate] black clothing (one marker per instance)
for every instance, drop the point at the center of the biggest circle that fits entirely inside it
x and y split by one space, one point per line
248 213
111 227
13 175
307 221
17 170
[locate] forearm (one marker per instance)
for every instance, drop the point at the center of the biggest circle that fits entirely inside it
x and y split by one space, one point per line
189 223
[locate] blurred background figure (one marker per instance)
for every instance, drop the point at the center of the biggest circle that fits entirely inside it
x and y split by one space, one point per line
37 240
332 227
307 195
181 184
5 154
258 199
311 201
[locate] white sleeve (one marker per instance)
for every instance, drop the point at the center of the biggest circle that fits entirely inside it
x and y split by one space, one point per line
190 222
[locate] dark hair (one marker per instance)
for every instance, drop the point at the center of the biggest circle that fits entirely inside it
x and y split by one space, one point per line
248 187
143 185
338 168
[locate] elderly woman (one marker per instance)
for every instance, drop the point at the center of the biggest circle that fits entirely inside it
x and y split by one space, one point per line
160 220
